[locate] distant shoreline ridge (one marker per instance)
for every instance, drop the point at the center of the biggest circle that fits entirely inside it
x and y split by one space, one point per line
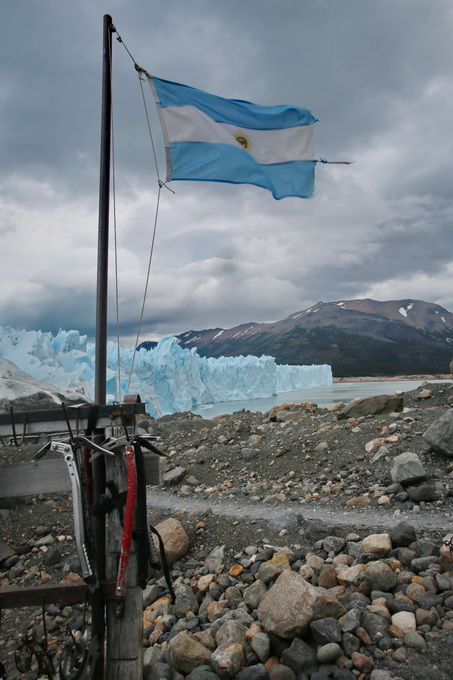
395 378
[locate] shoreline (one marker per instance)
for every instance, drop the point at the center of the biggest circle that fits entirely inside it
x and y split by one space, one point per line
396 378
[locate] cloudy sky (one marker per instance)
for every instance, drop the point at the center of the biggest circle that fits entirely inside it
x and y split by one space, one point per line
378 76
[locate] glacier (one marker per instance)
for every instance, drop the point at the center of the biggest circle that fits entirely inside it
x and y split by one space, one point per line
168 378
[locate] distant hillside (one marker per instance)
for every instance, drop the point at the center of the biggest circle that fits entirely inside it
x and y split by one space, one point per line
355 337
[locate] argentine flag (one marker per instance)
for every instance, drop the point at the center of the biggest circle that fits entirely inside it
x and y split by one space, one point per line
209 138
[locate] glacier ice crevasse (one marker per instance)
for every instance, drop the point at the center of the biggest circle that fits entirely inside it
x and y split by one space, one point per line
168 378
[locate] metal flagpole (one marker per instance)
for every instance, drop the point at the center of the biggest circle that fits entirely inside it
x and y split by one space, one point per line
124 644
103 225
98 465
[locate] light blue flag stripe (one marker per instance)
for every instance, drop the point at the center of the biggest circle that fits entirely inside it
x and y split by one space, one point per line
234 111
209 162
193 154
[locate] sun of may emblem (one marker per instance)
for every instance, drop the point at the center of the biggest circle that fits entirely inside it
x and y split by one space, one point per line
243 139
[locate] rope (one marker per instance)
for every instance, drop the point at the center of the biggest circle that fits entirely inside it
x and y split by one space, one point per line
115 238
140 79
117 297
146 286
141 72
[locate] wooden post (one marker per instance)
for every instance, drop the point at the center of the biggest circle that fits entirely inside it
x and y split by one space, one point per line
124 655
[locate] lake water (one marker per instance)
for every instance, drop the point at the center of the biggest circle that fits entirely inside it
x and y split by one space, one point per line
323 396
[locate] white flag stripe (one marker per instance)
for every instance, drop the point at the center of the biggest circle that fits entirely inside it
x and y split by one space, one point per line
189 124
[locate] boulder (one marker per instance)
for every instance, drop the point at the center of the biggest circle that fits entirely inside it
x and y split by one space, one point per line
378 544
184 653
288 608
440 435
407 469
175 539
402 534
382 403
423 492
175 476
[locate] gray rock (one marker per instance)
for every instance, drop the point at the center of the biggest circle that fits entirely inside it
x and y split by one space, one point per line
395 606
151 656
160 670
45 540
350 643
378 674
215 558
150 594
300 657
289 520
407 469
381 577
394 488
237 615
329 653
227 659
443 582
425 547
202 673
185 601
415 641
318 529
293 603
382 403
350 621
175 476
249 454
334 544
261 644
422 563
402 534
5 551
374 624
428 599
184 653
406 555
229 632
281 672
257 672
424 492
439 435
344 674
254 594
326 630
53 556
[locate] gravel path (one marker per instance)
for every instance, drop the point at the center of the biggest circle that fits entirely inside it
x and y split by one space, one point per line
159 500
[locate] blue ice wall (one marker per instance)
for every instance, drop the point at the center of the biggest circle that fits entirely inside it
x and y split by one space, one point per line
170 379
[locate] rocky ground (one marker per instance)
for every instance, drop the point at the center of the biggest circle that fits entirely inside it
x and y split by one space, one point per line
308 491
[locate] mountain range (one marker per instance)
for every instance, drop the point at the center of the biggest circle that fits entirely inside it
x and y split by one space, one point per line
355 337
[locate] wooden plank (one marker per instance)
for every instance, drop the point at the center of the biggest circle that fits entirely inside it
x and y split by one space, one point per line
152 468
51 476
61 593
124 643
54 420
41 476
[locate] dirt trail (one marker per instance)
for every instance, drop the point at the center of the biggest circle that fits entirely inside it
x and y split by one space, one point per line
240 509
